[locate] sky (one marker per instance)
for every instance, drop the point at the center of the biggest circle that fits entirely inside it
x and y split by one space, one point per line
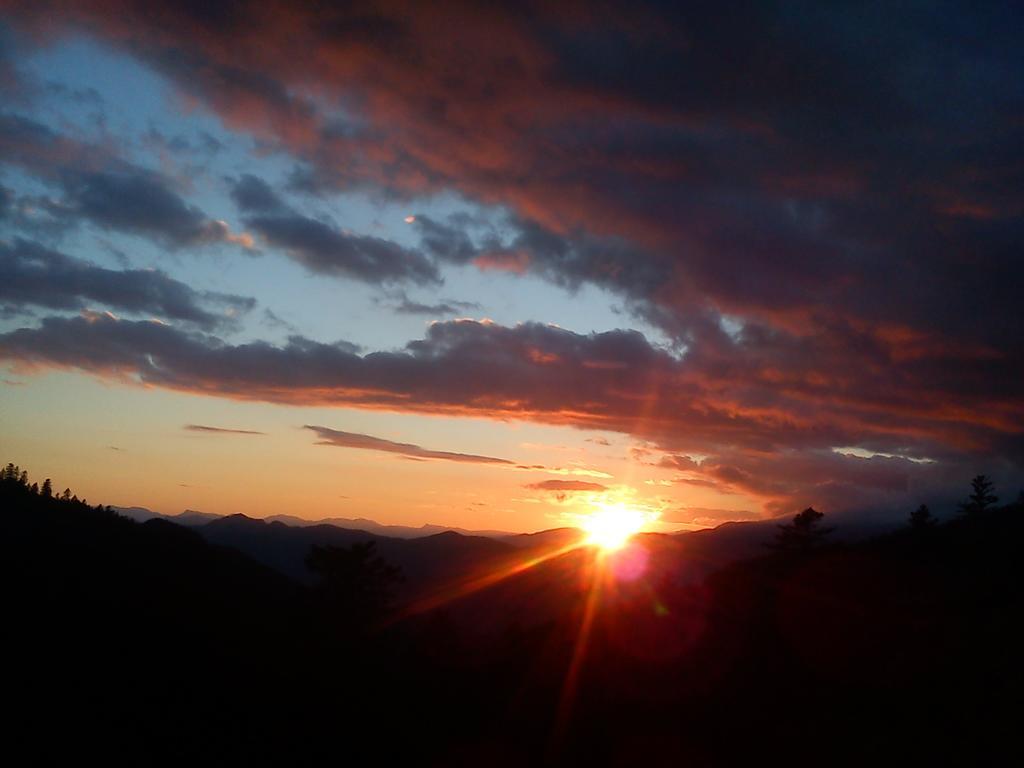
496 267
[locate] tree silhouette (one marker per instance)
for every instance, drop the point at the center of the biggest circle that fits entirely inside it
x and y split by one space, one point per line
355 583
47 488
803 534
922 519
981 499
14 474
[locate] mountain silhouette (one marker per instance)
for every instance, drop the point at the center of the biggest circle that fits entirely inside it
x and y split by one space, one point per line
424 561
194 517
372 526
164 642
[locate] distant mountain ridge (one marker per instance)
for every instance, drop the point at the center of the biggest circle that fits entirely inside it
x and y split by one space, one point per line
191 517
425 560
372 526
431 555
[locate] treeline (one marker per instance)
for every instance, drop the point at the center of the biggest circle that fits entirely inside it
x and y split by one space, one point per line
806 531
15 475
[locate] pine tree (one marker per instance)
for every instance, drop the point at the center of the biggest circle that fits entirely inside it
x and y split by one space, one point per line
981 499
47 488
803 534
921 519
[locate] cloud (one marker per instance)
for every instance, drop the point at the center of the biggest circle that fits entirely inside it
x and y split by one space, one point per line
252 194
325 249
564 486
37 276
784 480
203 428
614 380
801 179
406 450
773 442
406 306
141 202
322 247
35 147
99 186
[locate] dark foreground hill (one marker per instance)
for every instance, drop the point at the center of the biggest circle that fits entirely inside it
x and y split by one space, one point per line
145 643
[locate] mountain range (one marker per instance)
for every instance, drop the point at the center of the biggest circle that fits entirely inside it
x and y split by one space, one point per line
193 517
435 559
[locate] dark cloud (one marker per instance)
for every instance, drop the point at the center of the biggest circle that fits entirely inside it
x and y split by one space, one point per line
35 147
253 194
805 176
37 276
444 307
41 216
445 240
325 249
406 306
519 245
406 450
322 247
773 440
100 187
205 429
459 367
564 486
140 202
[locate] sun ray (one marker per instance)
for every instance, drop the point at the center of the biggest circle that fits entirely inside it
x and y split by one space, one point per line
466 588
579 651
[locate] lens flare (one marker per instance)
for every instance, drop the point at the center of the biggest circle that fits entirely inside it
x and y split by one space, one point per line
610 526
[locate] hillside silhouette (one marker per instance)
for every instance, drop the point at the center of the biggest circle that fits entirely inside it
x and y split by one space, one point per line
153 643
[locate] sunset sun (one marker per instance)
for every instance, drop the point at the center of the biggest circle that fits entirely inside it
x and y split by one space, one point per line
610 526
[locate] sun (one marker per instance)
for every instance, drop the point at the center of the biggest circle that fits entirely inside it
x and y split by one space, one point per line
610 526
